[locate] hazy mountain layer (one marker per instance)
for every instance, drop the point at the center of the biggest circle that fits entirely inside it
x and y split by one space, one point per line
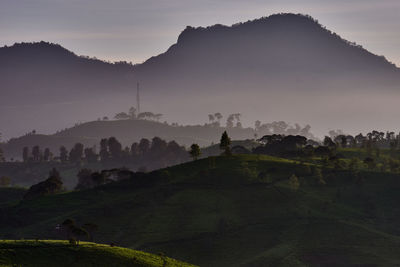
283 67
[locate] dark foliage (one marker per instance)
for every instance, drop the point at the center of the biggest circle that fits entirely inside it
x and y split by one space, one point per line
50 186
282 145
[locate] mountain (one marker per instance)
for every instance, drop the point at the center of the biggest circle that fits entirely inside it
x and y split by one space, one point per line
282 67
284 45
242 210
44 86
48 73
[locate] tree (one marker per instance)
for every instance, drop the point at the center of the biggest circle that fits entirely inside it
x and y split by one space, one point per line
36 153
195 151
50 186
218 116
225 144
144 146
237 117
99 178
147 115
47 156
1 156
135 150
175 153
360 140
88 179
84 179
211 118
329 143
126 153
76 153
90 155
158 116
25 154
115 148
132 113
78 233
257 125
229 121
104 154
122 116
63 154
158 147
90 229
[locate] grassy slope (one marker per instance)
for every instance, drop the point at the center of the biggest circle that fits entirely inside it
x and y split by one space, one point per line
60 253
11 195
219 212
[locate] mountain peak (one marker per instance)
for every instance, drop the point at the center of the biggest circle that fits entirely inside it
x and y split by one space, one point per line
276 20
35 47
294 40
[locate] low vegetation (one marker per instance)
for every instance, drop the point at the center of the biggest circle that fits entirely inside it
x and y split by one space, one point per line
61 253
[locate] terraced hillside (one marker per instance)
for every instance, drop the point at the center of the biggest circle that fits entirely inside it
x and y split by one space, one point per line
243 210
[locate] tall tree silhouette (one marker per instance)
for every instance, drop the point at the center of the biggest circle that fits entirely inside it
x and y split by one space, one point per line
47 156
225 144
195 151
104 154
115 148
76 153
63 154
36 153
144 146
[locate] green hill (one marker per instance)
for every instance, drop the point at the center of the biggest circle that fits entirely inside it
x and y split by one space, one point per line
61 253
230 211
10 196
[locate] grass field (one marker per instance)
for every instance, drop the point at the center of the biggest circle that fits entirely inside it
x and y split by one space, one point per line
235 211
61 253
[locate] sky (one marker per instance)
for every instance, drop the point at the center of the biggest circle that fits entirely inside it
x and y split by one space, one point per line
134 30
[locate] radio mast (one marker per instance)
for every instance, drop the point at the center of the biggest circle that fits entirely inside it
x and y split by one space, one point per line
138 99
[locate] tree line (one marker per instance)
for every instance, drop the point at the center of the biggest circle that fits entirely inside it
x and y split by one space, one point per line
131 115
111 150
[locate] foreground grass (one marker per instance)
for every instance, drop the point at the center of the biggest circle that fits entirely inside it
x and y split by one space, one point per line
61 253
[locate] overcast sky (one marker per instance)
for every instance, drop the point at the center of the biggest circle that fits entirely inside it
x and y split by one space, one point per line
134 30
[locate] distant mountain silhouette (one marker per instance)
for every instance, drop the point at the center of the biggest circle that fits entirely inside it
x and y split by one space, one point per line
37 73
282 67
284 45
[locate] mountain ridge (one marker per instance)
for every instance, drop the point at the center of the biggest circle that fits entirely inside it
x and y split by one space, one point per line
265 25
272 58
